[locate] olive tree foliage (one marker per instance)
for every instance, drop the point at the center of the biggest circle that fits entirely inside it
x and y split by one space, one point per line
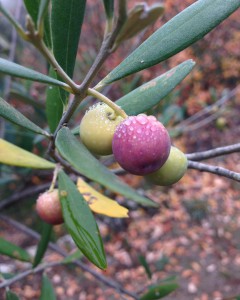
54 28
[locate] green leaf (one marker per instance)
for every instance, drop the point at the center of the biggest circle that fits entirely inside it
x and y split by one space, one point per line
66 22
11 296
16 156
32 7
54 104
10 68
14 116
109 8
80 222
47 291
150 93
145 265
180 32
11 250
159 291
72 257
43 243
84 162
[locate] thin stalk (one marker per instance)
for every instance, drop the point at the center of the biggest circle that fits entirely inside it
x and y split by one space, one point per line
107 101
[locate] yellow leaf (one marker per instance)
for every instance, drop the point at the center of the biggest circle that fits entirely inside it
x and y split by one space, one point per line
16 156
99 203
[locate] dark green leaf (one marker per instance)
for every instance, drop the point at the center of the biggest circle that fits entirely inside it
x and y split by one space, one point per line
150 93
11 296
32 7
72 257
54 104
145 265
80 222
13 69
109 8
159 291
84 162
180 32
14 116
11 250
66 23
47 291
43 243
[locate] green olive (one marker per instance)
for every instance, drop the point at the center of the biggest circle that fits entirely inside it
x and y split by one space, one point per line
172 171
97 128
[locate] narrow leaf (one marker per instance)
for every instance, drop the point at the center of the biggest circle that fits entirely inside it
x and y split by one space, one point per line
10 68
109 8
99 203
12 250
16 156
11 296
80 222
66 22
43 243
150 93
72 257
145 266
84 162
180 32
47 291
32 7
14 116
54 104
159 291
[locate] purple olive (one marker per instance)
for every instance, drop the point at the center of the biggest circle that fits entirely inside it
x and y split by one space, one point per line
141 144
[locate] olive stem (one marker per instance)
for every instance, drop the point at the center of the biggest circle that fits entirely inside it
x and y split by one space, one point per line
55 174
107 101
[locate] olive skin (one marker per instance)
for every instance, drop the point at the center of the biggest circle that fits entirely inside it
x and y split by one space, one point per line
97 128
49 208
172 171
141 144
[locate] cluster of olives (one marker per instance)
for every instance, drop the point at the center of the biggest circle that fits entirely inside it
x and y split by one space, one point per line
140 144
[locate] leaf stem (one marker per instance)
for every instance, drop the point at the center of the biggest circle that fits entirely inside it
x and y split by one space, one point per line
55 174
35 38
107 101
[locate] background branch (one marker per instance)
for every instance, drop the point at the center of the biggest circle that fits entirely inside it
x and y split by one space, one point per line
214 152
214 169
